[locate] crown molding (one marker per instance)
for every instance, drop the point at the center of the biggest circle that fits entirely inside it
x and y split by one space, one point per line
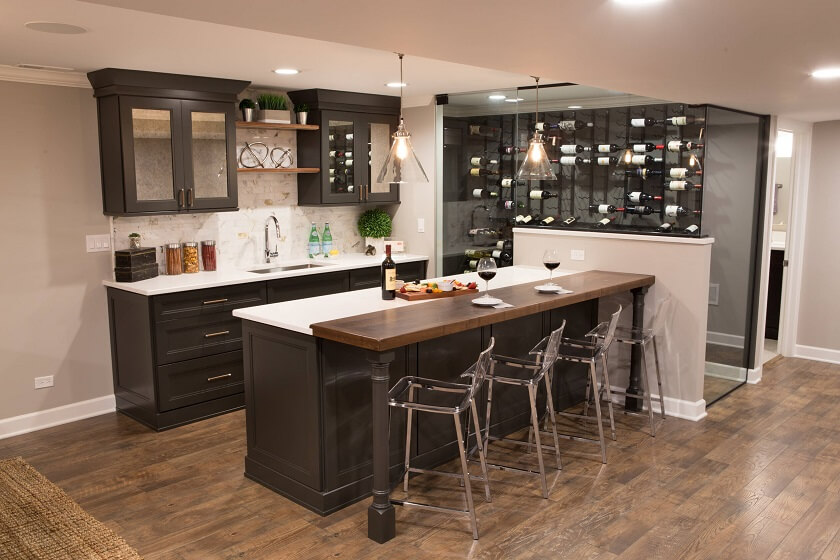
43 77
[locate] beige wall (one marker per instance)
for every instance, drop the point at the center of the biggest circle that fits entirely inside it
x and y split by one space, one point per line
681 270
418 200
54 313
819 306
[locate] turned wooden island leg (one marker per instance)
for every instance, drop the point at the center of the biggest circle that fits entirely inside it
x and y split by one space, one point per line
381 518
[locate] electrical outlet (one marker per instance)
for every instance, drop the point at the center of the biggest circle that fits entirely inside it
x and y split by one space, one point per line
577 254
421 225
98 243
44 382
714 294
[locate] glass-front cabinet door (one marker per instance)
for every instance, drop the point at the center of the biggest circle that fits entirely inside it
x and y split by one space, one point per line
210 168
152 142
378 143
340 181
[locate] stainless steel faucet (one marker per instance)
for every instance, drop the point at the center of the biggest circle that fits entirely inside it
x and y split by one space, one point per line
268 252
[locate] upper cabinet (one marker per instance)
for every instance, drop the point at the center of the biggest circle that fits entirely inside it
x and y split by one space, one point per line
352 144
167 142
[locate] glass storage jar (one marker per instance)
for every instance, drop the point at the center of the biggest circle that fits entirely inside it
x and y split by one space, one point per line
208 255
173 258
190 257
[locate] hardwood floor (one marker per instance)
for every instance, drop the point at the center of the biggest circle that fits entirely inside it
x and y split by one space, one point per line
758 478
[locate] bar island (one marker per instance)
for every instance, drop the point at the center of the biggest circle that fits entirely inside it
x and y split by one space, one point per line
318 370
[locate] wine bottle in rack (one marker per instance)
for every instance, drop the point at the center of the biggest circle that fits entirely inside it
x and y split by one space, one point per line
481 172
484 130
693 228
642 159
665 227
643 172
681 185
504 244
525 219
566 126
504 256
676 211
602 208
570 221
547 221
638 210
683 172
600 224
682 120
476 253
481 160
606 160
484 193
643 122
337 153
607 148
510 150
537 194
683 146
637 197
571 160
508 182
512 204
645 147
572 149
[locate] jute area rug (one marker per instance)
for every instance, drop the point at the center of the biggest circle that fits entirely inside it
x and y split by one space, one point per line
39 521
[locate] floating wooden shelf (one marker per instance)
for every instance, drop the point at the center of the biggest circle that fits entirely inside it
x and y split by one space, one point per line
278 170
279 126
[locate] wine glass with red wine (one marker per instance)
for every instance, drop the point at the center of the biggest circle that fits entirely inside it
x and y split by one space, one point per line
551 260
486 271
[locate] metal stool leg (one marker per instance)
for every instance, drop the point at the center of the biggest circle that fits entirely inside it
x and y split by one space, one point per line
535 424
659 379
467 488
647 393
482 451
606 377
586 399
488 411
408 438
550 405
594 381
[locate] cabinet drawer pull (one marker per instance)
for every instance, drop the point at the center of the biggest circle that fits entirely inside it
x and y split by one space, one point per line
217 377
212 334
211 301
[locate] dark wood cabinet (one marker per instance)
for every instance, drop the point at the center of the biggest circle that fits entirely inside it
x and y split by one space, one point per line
352 144
774 294
363 278
167 142
299 287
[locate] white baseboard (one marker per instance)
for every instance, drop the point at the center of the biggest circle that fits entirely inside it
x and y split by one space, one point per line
724 339
723 371
677 408
754 375
25 423
820 354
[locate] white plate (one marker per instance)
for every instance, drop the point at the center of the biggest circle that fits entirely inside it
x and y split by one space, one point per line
487 301
548 289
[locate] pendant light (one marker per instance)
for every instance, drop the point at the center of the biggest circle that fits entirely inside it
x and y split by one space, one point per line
536 166
402 165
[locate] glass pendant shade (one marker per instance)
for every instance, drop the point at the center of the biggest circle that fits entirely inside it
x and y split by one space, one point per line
402 165
536 166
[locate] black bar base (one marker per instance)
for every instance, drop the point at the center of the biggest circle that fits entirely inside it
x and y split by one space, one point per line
382 523
633 404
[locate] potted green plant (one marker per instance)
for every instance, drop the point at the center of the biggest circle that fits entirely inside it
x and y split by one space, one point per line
273 109
133 240
302 112
247 106
375 225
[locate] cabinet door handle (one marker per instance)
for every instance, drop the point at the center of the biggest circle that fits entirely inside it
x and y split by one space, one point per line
210 301
190 197
217 377
180 198
212 334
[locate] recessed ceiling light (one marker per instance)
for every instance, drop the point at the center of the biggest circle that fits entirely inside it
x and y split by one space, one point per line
55 27
514 99
637 2
287 71
496 97
825 73
396 84
575 106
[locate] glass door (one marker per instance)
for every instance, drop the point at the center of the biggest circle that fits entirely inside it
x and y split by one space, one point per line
210 171
340 182
152 144
379 131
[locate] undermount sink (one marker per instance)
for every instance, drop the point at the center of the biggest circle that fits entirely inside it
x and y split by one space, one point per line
283 268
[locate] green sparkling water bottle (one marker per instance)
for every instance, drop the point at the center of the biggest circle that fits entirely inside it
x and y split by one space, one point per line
326 240
314 242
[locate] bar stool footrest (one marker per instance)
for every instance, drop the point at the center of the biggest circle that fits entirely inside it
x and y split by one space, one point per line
408 503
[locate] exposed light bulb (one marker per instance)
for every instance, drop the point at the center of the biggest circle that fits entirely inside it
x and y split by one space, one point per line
826 73
628 156
402 147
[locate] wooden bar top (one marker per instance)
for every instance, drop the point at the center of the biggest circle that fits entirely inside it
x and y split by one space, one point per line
384 330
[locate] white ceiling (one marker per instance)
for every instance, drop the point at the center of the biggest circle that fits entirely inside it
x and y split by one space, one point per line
748 54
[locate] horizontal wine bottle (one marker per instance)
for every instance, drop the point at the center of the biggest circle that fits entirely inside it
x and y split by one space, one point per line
645 147
682 120
604 223
481 160
476 253
665 227
572 160
607 148
637 197
693 228
570 221
643 172
508 150
526 219
683 146
606 160
683 172
572 149
681 185
567 126
483 130
484 193
602 208
511 204
676 211
547 221
541 195
481 172
641 159
508 182
642 122
639 210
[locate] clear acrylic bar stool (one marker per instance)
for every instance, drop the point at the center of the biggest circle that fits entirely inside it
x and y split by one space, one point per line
643 337
527 374
409 393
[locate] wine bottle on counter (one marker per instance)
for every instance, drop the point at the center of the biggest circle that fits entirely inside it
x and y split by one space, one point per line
481 172
683 146
512 205
675 211
683 172
483 130
639 210
572 149
637 197
646 147
665 227
693 228
389 275
566 126
541 195
508 182
681 185
547 221
481 160
526 219
641 159
604 223
602 208
606 160
484 193
571 160
510 150
570 221
606 148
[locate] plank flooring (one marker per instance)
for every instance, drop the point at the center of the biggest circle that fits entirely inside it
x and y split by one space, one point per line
759 478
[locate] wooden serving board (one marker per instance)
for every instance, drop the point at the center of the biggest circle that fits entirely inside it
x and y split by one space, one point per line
415 296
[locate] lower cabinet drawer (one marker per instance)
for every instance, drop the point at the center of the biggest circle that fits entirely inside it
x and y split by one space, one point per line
363 278
184 339
199 380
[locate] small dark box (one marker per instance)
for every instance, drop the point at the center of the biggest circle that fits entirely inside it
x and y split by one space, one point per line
132 258
142 272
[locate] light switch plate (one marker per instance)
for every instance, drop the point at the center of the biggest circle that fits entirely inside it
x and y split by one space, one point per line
44 382
421 225
98 243
577 254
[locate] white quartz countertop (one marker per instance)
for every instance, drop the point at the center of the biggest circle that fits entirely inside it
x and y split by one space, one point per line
299 315
196 281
